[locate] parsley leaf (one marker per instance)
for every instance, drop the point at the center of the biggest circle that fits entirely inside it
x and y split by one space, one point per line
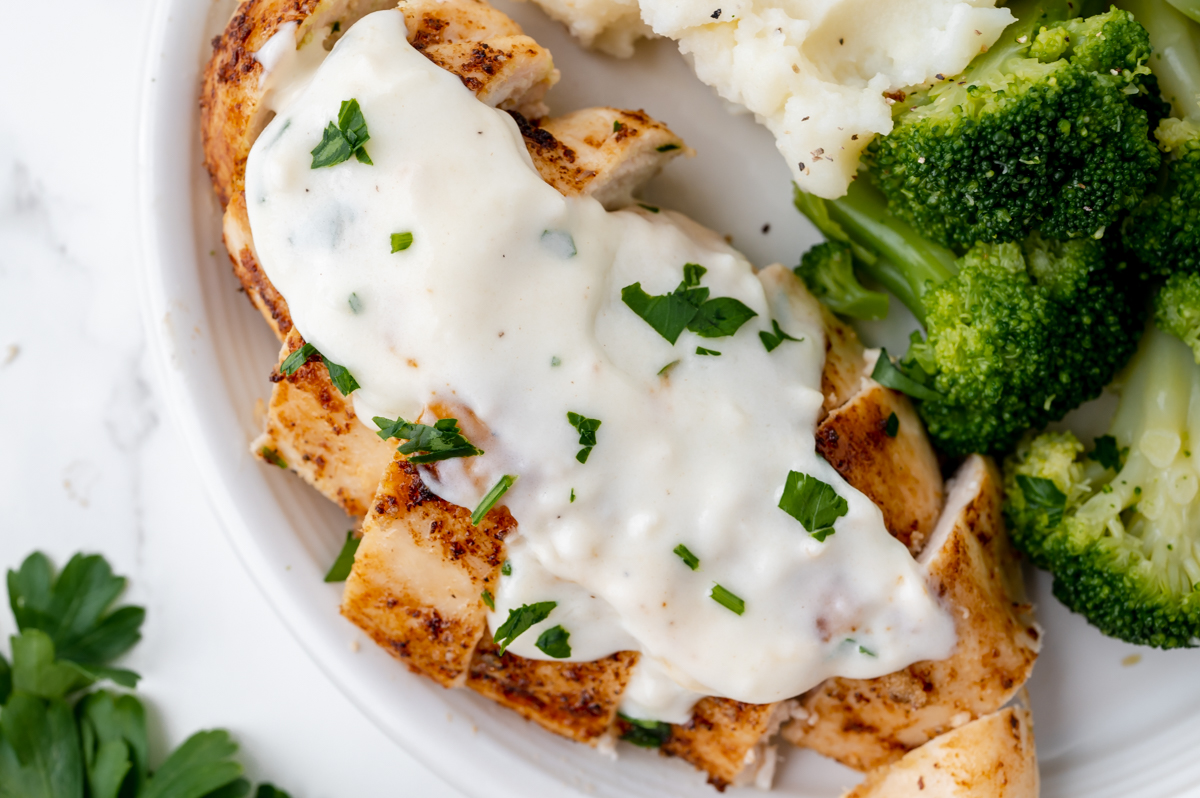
587 433
1044 494
488 599
1107 453
425 444
203 763
340 570
771 340
506 568
340 376
39 749
711 352
720 317
5 680
520 620
727 600
73 609
889 375
668 314
401 242
815 504
333 149
689 559
270 791
292 363
650 208
646 733
891 427
346 138
662 372
115 752
489 501
553 642
667 147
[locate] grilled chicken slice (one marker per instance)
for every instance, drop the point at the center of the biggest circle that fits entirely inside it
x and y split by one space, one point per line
419 575
577 700
730 741
868 723
602 152
897 471
486 49
992 757
317 433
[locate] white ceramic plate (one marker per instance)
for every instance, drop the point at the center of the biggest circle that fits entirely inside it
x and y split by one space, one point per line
1106 725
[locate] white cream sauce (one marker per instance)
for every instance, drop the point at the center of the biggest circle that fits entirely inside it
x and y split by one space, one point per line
494 320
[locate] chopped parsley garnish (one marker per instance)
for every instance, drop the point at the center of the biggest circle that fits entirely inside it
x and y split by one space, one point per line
587 433
771 340
272 457
555 361
617 126
813 503
727 599
887 374
355 304
292 363
687 307
891 427
1108 454
345 559
646 733
560 242
553 642
867 651
488 600
520 620
489 501
337 26
667 147
662 372
425 444
689 559
572 496
401 242
506 568
720 317
348 137
702 351
340 376
1044 494
650 208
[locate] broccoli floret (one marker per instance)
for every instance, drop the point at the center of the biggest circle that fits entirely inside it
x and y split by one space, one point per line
1164 230
1177 309
828 271
1039 133
1017 334
1117 526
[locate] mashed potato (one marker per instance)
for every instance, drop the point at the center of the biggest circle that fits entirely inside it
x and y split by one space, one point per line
815 72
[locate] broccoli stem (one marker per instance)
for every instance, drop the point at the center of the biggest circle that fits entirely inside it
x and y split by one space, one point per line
1176 58
907 264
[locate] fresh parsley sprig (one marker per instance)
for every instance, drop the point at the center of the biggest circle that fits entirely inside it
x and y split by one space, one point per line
340 376
489 501
815 504
344 139
58 742
687 308
340 570
889 375
771 340
425 444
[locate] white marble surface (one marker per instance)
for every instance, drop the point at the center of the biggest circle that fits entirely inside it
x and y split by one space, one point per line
90 461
